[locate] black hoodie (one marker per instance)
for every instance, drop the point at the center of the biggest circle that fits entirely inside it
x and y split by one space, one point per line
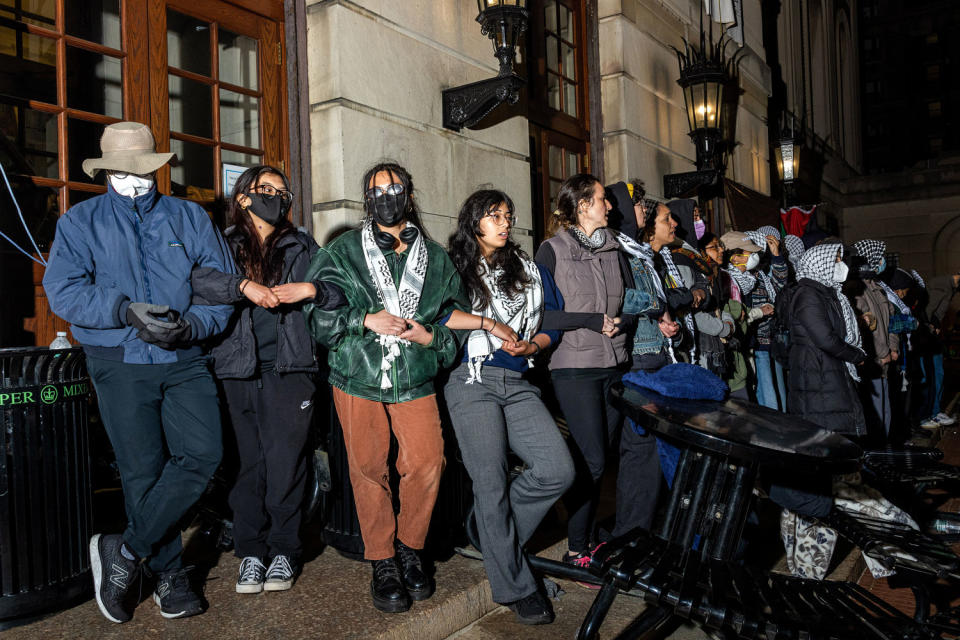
682 211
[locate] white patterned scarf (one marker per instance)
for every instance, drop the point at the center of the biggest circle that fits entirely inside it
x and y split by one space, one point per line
674 274
522 313
644 252
759 238
402 302
745 280
918 278
795 249
818 264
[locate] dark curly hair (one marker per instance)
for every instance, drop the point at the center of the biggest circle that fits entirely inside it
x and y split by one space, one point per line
573 191
402 176
258 261
465 251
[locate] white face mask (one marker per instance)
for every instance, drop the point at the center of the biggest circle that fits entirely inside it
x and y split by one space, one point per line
131 185
753 261
840 271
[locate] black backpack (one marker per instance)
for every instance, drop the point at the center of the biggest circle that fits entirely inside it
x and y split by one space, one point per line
780 324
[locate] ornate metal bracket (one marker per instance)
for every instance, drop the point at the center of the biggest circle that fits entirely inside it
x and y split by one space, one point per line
466 105
678 185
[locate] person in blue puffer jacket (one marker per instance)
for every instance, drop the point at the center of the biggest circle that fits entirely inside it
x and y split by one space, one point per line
119 273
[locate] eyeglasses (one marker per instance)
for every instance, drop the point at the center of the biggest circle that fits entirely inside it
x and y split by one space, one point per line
270 192
394 189
500 218
714 247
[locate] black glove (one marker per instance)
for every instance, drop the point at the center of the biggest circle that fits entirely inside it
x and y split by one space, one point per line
167 333
140 313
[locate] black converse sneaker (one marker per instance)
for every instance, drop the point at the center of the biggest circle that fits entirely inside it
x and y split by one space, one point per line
251 576
175 596
281 574
113 575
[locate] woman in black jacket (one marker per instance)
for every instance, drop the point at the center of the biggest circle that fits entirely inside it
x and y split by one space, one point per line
825 345
265 361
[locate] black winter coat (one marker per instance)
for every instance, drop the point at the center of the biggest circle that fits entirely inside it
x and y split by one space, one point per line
820 388
235 350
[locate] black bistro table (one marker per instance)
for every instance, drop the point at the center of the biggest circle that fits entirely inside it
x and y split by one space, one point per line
686 566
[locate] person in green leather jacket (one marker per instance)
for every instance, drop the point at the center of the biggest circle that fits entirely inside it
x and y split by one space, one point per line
386 346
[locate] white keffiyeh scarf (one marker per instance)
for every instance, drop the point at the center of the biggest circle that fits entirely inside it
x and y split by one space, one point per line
522 313
759 238
745 280
894 298
674 274
645 252
402 302
818 264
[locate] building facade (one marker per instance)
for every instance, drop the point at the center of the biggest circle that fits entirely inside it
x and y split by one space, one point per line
325 88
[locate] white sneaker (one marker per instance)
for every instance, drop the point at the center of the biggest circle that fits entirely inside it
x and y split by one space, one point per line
281 574
943 419
930 423
251 575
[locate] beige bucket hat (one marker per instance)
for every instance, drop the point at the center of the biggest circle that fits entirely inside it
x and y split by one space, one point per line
739 241
127 147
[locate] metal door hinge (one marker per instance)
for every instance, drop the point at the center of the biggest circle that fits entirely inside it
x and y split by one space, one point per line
279 54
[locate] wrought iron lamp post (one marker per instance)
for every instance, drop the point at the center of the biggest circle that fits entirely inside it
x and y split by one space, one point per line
787 153
704 72
503 21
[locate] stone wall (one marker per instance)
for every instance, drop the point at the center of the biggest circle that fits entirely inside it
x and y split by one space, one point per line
369 103
644 120
916 212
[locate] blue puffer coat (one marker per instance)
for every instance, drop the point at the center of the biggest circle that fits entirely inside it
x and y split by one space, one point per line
112 250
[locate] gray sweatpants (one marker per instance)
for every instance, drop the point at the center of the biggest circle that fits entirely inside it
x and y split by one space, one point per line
501 413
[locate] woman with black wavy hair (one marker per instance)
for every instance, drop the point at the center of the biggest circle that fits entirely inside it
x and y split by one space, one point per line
493 406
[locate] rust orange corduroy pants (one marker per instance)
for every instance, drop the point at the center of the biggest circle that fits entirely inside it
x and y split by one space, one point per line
366 432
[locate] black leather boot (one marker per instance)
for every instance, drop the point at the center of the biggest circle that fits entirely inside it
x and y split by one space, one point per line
386 588
418 584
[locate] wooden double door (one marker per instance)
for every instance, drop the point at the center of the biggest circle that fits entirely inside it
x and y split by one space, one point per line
207 76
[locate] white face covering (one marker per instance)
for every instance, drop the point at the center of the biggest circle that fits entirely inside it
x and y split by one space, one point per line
840 271
752 261
131 185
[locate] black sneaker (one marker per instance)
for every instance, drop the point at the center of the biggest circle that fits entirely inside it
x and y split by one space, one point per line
175 596
386 588
251 575
281 574
415 579
113 575
534 609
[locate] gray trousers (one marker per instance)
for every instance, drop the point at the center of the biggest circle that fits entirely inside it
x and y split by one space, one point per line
501 413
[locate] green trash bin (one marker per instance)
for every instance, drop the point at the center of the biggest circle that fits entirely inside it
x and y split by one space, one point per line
45 494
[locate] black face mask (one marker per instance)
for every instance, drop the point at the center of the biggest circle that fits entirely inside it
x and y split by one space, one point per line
387 209
270 210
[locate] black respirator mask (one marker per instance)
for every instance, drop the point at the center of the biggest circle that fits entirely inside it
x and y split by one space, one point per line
270 209
388 205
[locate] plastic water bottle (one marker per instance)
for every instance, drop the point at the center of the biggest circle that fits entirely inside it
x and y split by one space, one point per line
60 342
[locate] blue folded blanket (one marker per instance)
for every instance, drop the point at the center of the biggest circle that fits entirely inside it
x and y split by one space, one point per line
678 380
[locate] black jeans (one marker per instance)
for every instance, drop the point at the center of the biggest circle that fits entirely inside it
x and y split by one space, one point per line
594 425
147 409
271 418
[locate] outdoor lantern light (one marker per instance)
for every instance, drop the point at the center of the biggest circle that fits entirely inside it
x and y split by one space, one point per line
502 21
787 152
702 79
704 72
